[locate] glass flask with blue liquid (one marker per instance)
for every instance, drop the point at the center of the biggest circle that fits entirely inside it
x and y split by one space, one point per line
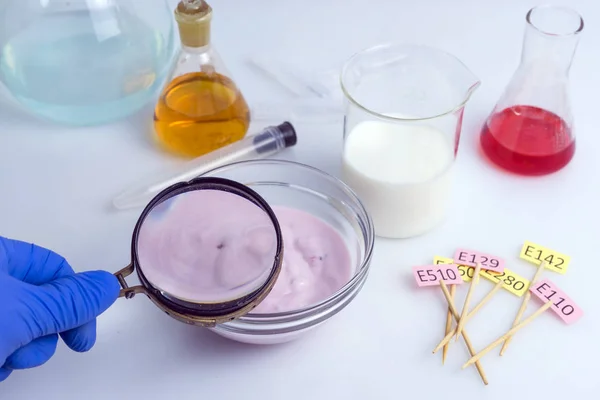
85 62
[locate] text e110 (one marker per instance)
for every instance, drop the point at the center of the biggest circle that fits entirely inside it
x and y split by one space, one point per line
564 307
431 275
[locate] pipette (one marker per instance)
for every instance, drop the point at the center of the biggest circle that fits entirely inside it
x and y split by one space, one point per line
270 141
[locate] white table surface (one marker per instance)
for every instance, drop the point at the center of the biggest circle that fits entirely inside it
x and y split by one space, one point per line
57 183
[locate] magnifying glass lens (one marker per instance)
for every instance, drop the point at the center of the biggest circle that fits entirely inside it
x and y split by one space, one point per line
207 246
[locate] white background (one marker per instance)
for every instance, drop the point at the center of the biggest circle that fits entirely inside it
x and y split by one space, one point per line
56 185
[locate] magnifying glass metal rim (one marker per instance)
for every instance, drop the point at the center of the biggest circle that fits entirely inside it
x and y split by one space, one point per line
202 314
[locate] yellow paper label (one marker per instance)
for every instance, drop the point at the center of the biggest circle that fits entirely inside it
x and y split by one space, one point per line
466 272
535 253
512 282
442 260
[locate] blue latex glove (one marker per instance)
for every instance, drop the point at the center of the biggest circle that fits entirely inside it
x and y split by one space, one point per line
41 298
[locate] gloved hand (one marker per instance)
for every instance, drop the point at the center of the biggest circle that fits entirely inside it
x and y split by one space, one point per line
41 298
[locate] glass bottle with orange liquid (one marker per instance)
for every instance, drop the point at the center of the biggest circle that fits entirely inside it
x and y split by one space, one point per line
201 109
530 131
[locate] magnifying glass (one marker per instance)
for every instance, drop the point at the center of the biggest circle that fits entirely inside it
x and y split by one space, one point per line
205 251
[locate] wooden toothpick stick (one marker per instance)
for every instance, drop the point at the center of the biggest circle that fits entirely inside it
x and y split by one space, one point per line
502 338
523 307
449 320
464 334
487 298
478 307
465 310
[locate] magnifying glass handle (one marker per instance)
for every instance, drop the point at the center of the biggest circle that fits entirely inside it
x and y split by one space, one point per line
126 291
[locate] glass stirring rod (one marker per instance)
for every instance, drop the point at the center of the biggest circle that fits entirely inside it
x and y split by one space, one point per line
270 141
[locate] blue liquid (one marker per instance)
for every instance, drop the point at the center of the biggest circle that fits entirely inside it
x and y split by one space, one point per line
72 69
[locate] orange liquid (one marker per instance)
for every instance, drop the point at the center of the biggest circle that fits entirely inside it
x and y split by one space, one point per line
200 112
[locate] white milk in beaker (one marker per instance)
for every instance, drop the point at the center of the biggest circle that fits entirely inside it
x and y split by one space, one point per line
402 174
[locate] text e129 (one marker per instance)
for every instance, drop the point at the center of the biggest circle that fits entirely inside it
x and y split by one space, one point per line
471 258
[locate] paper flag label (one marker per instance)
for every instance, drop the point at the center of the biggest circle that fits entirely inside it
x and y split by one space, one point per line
535 253
471 258
430 275
563 306
466 272
512 282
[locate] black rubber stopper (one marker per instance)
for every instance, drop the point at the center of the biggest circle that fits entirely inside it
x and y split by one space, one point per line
289 134
287 131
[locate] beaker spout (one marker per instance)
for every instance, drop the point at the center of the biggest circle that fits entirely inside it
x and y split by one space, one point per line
471 84
465 82
454 81
423 82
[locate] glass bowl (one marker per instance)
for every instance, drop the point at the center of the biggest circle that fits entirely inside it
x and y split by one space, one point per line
286 183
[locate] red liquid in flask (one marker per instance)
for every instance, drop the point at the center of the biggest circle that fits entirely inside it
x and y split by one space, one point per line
528 140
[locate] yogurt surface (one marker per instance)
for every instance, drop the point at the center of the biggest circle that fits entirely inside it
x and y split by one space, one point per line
207 246
316 263
213 246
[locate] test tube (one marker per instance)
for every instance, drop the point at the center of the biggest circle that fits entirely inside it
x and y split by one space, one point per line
266 143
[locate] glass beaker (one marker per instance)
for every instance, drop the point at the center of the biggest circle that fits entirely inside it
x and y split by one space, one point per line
85 62
404 109
530 130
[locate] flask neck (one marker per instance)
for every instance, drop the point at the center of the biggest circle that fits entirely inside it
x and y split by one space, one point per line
197 50
551 37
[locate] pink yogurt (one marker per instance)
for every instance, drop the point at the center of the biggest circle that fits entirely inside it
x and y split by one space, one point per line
316 263
210 245
207 246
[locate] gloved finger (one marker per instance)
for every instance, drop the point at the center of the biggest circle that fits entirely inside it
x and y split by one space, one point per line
30 263
4 373
70 302
81 339
33 354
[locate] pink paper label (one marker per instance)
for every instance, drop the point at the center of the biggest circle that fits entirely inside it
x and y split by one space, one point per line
430 275
471 258
564 307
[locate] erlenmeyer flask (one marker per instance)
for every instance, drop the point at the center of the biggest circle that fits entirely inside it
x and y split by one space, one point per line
85 62
530 131
201 108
